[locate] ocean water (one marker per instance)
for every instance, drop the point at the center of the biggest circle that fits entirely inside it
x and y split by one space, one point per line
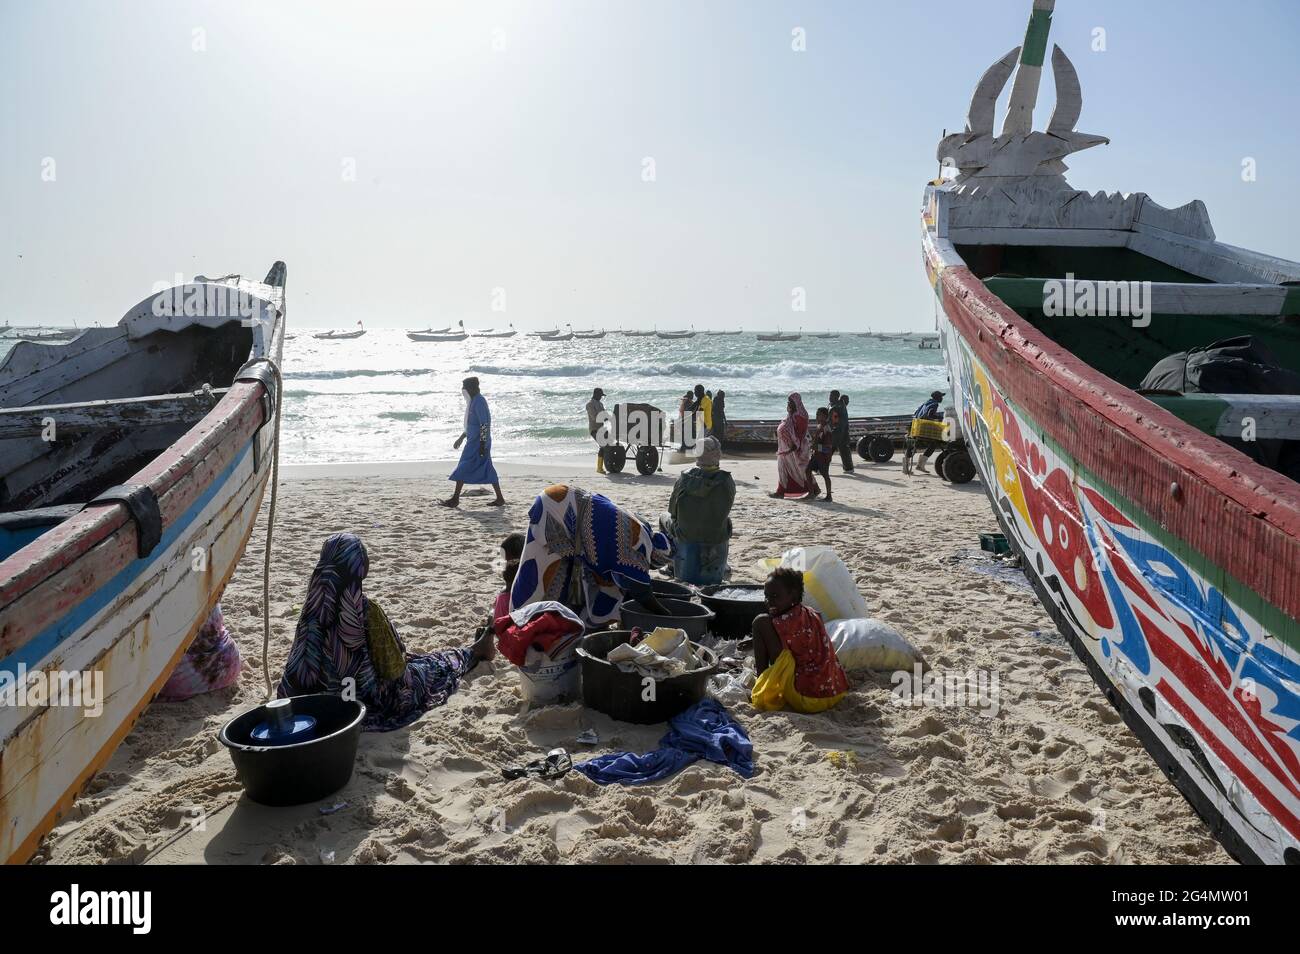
383 397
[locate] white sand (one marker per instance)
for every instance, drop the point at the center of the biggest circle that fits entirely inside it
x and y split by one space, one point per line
1054 777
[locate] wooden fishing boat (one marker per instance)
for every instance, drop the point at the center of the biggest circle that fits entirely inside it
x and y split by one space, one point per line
744 436
724 334
340 335
567 336
1163 546
489 333
588 335
638 334
132 465
826 336
63 334
674 335
418 336
779 337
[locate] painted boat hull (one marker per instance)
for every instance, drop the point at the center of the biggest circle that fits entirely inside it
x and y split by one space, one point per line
1166 558
80 600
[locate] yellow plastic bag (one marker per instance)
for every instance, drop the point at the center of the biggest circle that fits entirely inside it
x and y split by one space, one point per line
828 586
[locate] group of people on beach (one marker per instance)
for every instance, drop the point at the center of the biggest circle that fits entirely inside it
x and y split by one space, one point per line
580 553
805 448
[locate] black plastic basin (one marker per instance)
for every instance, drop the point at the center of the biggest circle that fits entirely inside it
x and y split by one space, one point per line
672 589
297 772
734 618
620 695
692 617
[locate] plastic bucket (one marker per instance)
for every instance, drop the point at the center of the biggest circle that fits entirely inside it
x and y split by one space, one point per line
545 681
622 695
301 771
671 589
692 617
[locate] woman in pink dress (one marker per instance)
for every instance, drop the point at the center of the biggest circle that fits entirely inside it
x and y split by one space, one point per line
793 450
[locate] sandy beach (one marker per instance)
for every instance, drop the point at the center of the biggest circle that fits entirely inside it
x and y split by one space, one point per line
1053 776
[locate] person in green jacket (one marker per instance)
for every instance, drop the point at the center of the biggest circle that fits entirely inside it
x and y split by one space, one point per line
698 518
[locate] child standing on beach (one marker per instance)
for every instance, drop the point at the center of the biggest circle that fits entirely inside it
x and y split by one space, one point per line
793 656
820 463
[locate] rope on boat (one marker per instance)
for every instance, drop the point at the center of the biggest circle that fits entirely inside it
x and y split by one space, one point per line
270 525
277 401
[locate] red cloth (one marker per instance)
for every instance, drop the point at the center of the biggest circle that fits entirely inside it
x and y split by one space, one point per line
501 613
543 631
817 672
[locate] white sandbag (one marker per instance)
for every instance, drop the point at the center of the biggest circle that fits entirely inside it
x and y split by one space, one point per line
828 586
870 644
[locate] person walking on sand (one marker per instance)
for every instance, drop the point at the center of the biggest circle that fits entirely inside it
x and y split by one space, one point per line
596 426
929 411
475 465
793 450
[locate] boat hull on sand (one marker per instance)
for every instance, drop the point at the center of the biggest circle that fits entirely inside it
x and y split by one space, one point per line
88 596
1165 556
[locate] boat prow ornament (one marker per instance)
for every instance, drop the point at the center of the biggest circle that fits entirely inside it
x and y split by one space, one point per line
1018 158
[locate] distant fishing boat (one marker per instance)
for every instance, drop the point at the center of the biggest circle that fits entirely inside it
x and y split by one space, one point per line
568 336
1164 546
418 336
674 335
724 334
63 334
431 331
543 334
340 335
779 337
638 334
444 336
588 335
825 336
121 523
489 333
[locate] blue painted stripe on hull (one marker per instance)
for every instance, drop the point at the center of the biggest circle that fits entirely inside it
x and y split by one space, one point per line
35 650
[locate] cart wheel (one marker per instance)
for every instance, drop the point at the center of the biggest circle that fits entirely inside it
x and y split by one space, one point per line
615 458
940 460
881 450
647 460
959 468
864 445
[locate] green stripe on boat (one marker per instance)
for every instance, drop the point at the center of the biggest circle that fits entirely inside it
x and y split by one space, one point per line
1034 50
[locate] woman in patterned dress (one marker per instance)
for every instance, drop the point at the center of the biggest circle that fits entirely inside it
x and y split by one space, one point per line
345 642
584 551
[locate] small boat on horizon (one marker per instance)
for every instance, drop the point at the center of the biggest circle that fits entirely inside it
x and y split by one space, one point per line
588 335
779 337
489 333
336 335
675 335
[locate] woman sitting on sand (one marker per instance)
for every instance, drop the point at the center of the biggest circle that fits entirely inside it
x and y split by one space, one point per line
583 550
793 656
793 449
345 638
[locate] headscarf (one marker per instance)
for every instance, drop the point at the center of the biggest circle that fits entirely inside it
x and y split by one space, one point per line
710 453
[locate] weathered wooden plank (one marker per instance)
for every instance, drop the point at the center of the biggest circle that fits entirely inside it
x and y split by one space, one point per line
60 419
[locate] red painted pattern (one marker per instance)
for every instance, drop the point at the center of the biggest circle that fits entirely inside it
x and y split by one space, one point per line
1243 517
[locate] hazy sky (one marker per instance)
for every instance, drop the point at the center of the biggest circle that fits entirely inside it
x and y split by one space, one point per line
522 168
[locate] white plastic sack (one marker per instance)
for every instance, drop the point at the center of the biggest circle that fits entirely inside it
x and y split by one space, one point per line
870 644
828 586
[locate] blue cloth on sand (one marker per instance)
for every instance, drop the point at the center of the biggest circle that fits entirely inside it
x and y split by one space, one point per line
705 730
472 468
